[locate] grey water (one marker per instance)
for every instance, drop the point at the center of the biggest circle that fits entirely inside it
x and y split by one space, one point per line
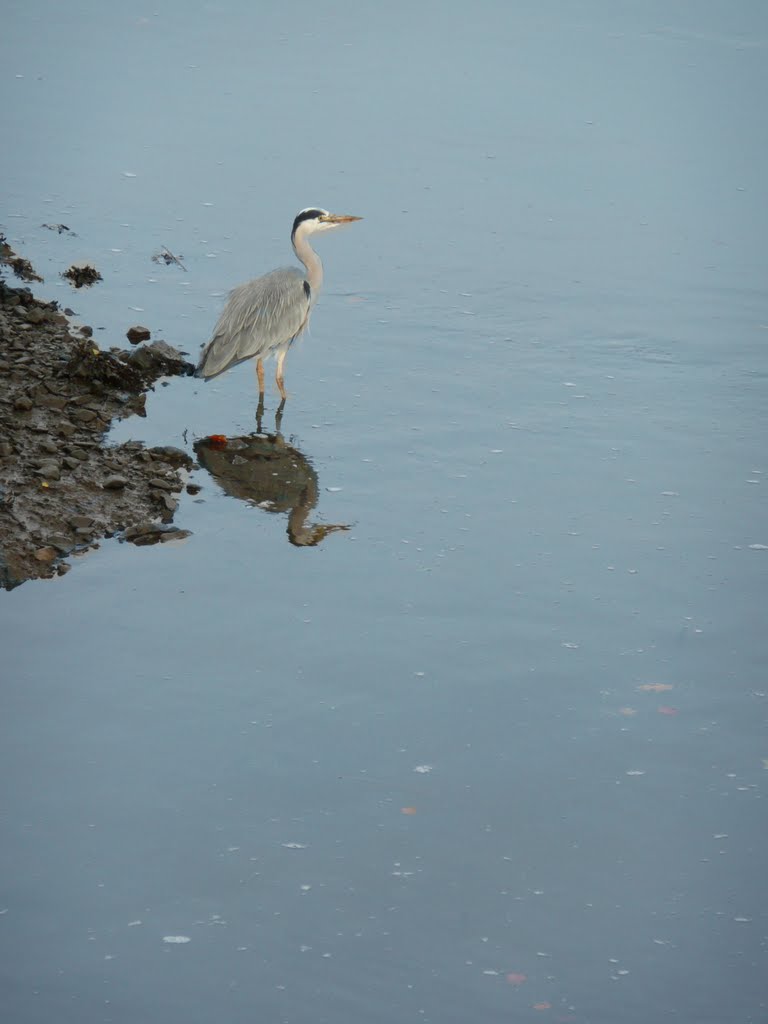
497 750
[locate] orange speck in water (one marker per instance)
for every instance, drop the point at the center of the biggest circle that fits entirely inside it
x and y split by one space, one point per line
542 1006
407 810
218 439
666 710
514 978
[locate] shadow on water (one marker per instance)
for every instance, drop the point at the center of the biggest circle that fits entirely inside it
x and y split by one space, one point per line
264 470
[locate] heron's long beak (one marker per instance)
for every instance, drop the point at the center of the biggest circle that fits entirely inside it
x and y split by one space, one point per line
338 218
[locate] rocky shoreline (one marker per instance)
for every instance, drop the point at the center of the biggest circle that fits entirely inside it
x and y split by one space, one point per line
62 489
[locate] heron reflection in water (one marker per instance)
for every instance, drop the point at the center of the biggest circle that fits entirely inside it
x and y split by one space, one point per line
265 471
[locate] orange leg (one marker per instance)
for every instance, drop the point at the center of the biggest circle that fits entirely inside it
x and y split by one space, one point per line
260 375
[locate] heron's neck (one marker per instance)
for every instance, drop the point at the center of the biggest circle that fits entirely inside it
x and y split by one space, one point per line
311 261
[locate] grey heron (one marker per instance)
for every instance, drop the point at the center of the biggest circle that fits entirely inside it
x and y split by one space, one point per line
262 317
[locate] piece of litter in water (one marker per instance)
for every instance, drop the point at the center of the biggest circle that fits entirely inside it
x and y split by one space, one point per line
423 768
294 846
176 939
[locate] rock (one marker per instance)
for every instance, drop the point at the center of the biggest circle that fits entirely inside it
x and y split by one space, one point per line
145 539
49 446
174 533
137 334
53 402
51 470
80 522
140 530
193 488
164 485
35 315
173 456
60 542
83 415
23 404
114 483
158 359
46 554
71 463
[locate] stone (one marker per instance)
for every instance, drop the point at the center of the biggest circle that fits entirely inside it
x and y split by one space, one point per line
137 334
80 522
23 404
57 402
46 554
60 542
140 529
114 483
174 533
83 415
50 470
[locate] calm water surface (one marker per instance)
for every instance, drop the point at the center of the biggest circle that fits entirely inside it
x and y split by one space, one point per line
497 752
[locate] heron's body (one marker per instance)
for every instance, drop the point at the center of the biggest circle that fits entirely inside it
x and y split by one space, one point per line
262 317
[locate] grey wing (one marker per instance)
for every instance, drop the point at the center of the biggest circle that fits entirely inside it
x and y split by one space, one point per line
259 318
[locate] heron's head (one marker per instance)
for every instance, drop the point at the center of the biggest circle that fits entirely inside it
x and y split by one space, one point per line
313 219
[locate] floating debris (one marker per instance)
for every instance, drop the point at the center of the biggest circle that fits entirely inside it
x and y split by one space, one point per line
167 257
82 275
60 229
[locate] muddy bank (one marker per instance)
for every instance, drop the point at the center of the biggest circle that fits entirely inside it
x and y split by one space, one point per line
61 488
